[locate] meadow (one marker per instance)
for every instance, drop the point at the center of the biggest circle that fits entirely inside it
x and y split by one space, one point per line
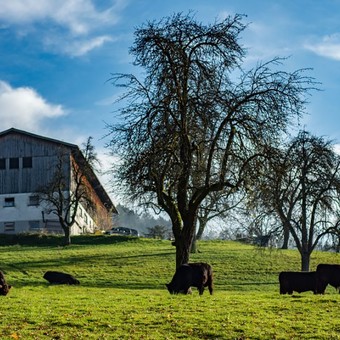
122 294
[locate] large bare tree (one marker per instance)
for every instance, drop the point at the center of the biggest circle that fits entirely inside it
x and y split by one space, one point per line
193 123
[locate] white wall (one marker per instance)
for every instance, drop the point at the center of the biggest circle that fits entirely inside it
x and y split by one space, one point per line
22 214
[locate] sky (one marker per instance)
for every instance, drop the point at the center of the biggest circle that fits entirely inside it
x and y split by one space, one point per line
57 56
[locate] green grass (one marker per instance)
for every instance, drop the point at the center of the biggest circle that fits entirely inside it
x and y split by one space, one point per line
122 293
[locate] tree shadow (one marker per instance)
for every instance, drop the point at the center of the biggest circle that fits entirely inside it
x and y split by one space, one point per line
43 240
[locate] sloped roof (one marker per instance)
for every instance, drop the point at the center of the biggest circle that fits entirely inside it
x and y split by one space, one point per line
92 177
22 132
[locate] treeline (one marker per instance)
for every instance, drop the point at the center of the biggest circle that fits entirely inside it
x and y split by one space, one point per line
146 224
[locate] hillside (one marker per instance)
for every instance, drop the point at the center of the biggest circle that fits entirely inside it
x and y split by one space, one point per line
122 293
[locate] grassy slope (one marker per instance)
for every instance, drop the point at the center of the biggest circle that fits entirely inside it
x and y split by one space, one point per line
122 293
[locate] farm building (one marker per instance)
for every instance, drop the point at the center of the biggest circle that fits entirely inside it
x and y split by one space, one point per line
28 162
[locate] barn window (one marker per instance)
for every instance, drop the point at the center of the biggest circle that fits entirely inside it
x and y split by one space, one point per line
33 200
14 163
9 202
27 162
34 225
2 163
9 226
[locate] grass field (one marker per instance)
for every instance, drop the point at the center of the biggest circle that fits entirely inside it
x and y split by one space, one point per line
123 295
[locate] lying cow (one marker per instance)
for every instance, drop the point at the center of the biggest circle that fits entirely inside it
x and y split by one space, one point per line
188 275
327 274
60 278
4 287
297 282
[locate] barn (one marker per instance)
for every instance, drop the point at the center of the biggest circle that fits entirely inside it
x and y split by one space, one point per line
28 162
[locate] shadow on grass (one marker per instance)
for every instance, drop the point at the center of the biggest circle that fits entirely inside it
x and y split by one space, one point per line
41 283
56 263
30 273
42 240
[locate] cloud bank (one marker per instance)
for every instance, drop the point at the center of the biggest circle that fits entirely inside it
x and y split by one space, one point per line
24 108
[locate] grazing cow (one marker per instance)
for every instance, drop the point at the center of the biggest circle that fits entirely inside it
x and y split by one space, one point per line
327 274
60 278
297 281
188 275
4 287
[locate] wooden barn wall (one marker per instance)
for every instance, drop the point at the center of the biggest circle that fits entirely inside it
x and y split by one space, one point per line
44 159
100 214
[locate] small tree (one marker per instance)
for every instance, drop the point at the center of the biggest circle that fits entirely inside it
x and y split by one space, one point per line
158 231
68 187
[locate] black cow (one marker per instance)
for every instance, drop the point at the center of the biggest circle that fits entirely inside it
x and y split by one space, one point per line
327 274
4 287
60 278
297 281
188 275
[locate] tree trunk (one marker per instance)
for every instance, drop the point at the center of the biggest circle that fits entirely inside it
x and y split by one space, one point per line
286 234
202 222
182 251
67 232
184 241
193 249
305 261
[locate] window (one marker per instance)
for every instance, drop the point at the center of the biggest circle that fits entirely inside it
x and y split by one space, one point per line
34 225
27 162
9 226
14 163
33 200
2 163
9 202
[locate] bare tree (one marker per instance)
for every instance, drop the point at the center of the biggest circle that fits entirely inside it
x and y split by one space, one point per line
301 183
191 126
68 187
216 208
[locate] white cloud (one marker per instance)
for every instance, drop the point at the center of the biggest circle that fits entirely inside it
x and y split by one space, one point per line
24 108
328 47
67 22
79 16
76 48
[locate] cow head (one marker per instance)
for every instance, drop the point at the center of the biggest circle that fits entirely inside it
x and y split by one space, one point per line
4 289
173 290
170 288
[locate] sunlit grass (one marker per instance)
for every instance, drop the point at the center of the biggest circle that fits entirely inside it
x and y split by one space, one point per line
122 294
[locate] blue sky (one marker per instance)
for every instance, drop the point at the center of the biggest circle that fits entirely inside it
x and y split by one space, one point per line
56 57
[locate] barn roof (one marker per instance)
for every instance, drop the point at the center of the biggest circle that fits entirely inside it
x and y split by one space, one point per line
22 132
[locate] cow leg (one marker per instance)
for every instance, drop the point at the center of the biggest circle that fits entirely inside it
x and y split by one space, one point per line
210 285
201 290
321 289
